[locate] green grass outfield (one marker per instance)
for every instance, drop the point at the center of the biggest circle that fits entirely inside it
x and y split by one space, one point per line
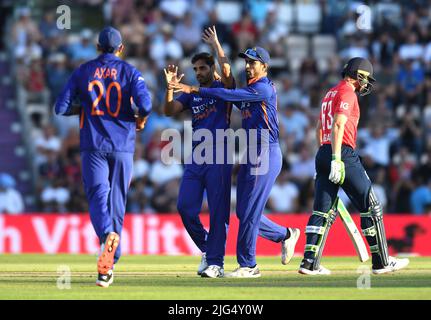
163 277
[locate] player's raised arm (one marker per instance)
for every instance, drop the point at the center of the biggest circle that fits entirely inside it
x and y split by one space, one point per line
64 105
254 93
210 37
171 106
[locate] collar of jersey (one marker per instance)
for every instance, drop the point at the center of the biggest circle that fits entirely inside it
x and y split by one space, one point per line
346 84
108 56
254 80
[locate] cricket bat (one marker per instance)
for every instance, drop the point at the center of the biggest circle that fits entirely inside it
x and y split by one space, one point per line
353 231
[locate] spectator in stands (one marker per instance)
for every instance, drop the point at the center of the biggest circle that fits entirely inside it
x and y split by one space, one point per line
133 33
56 74
284 195
55 196
175 9
377 144
410 81
139 196
48 26
356 48
165 196
24 29
165 46
411 134
383 49
258 11
47 142
294 121
188 34
303 166
245 33
411 50
11 201
421 196
84 49
200 11
162 173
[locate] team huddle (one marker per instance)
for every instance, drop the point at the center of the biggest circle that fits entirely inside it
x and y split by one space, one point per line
109 90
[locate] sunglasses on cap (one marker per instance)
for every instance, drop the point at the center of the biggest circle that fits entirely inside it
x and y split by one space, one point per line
253 53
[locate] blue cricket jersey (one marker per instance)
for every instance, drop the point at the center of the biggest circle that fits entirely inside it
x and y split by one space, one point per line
207 113
258 105
105 87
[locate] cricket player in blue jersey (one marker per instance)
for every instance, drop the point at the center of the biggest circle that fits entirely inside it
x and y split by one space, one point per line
214 178
258 104
105 88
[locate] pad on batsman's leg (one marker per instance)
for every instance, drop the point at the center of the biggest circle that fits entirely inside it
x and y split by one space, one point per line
317 231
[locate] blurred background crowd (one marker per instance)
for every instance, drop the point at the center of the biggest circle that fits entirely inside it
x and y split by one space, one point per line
308 41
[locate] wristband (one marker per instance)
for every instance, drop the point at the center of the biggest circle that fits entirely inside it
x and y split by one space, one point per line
336 157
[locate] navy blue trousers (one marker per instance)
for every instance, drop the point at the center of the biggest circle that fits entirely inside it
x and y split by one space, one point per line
252 194
106 178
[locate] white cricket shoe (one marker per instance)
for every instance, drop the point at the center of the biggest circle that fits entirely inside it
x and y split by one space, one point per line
322 271
288 245
105 280
245 272
213 271
395 264
203 264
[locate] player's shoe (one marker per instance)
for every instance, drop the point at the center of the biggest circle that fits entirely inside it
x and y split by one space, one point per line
213 271
245 272
307 268
203 264
395 264
106 257
105 280
288 245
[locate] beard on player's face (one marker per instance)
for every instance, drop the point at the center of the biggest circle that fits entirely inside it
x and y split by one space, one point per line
254 69
204 76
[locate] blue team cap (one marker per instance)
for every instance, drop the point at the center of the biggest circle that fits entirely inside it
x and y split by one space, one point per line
256 53
110 38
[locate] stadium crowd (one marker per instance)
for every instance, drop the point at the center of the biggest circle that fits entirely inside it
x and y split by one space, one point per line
307 56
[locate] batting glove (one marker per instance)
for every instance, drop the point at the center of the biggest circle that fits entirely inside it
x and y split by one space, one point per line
338 173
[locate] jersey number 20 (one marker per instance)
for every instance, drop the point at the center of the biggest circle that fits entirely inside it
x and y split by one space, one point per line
95 111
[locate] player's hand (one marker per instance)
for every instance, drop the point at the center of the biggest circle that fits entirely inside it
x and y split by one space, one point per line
181 87
140 122
217 77
171 74
210 36
338 172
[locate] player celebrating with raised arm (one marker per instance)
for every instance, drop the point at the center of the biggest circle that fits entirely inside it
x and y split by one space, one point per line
259 112
214 178
338 164
105 87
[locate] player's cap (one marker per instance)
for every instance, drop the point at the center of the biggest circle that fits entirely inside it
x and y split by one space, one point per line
110 39
358 66
256 53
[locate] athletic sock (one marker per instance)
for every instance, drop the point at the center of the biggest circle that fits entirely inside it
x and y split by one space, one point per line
288 234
